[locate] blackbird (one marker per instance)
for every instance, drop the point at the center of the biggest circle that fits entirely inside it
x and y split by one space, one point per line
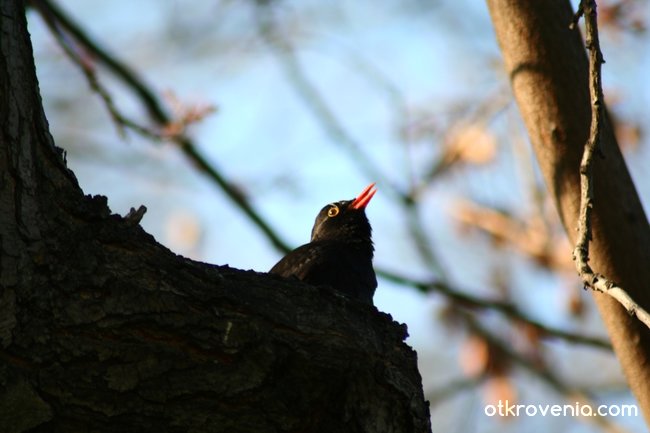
340 252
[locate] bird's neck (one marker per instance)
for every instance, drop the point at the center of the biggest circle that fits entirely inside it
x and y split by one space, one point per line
362 245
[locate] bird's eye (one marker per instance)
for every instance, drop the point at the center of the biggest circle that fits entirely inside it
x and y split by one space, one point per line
333 211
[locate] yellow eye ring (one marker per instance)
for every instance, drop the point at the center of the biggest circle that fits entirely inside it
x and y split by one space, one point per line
333 211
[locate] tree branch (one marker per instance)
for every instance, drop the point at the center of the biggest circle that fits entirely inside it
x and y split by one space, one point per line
591 279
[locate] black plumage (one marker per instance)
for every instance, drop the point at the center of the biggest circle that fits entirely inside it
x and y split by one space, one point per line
340 252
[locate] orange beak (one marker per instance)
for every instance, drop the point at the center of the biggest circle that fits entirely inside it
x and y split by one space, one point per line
363 199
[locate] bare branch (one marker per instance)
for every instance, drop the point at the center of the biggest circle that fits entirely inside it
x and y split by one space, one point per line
581 252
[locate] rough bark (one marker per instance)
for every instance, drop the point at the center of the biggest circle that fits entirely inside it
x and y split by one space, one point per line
104 330
548 70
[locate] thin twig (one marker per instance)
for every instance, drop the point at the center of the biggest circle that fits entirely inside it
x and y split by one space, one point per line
591 279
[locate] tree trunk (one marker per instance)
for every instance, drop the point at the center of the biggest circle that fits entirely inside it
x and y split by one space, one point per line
104 330
548 70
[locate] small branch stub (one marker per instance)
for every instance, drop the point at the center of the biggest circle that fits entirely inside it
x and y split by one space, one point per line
135 216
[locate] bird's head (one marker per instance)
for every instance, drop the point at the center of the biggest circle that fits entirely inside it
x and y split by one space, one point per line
345 220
